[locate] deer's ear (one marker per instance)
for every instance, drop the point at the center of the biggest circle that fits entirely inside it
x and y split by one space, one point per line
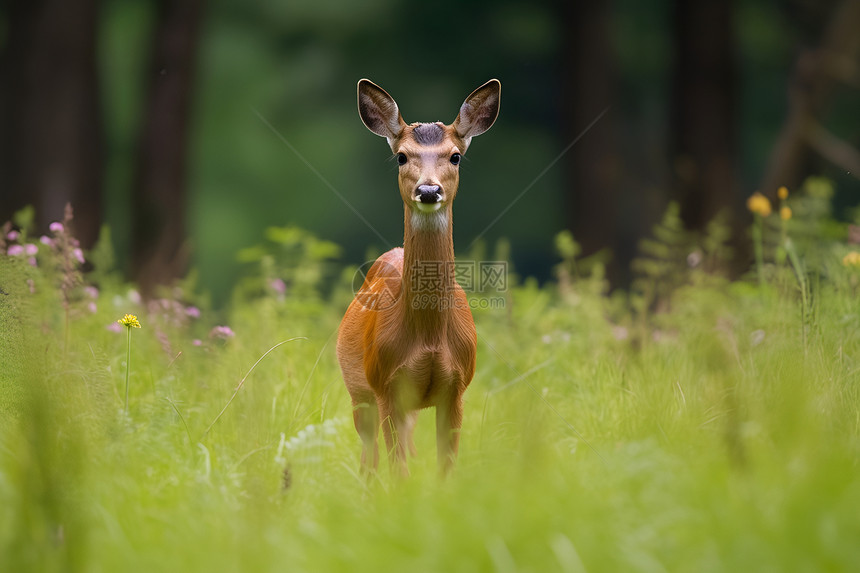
378 110
479 111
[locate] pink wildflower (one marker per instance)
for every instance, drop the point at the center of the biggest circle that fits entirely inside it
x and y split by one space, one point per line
114 327
197 342
278 285
46 240
91 291
92 307
31 249
223 332
79 255
193 312
12 235
56 227
15 250
33 262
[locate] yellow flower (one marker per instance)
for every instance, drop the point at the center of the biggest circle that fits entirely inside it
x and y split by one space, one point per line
759 204
129 321
785 213
782 192
852 259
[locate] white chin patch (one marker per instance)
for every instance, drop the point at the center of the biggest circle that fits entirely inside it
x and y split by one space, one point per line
430 220
428 207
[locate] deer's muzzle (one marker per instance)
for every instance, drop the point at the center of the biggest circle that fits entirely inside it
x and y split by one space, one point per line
428 193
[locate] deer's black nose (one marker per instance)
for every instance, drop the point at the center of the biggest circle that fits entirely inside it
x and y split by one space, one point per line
428 193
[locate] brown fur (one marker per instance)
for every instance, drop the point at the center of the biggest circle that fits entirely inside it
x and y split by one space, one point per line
408 342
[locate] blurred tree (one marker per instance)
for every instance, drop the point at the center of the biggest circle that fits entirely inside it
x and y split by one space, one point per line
296 63
50 136
817 73
703 111
160 192
588 89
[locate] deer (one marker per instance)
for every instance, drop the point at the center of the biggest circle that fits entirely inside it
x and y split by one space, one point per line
408 339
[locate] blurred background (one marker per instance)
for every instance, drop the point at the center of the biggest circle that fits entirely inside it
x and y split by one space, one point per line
190 126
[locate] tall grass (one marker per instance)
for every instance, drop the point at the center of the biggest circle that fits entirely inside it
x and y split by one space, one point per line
709 437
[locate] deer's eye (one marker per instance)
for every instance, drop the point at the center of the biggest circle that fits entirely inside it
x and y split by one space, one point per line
455 159
401 159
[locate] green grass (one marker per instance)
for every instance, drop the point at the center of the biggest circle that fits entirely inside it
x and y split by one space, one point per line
711 438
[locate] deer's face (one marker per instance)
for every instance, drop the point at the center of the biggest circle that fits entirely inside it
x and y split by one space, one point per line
428 156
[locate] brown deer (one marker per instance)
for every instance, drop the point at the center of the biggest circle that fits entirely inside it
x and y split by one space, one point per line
408 339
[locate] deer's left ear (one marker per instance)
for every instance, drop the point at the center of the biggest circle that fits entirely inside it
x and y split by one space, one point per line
479 111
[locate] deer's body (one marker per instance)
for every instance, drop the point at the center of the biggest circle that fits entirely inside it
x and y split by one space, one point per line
408 340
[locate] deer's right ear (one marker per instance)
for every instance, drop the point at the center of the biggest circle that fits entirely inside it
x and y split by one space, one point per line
479 111
378 111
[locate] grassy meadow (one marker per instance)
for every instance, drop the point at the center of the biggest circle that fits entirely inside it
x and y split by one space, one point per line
692 424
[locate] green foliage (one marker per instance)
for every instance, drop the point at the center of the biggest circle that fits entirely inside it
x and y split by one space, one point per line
715 248
713 436
567 247
662 266
103 260
13 316
580 277
292 260
25 219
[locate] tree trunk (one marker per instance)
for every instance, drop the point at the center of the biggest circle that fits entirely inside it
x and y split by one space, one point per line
703 110
160 195
50 136
592 165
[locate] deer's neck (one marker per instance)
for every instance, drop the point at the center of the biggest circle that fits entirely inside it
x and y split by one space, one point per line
428 271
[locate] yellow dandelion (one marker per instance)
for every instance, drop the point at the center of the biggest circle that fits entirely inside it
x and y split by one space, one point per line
759 204
782 192
852 259
129 321
785 213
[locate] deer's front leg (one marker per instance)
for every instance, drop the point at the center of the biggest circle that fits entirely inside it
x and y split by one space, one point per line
366 418
395 430
449 419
